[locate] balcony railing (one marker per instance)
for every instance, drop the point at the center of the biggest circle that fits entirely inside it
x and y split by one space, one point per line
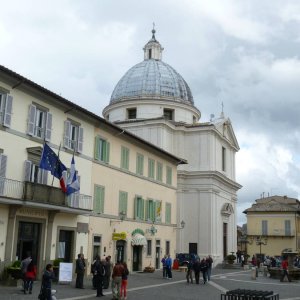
42 193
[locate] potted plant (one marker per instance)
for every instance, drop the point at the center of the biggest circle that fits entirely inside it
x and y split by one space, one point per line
149 269
230 258
15 270
56 263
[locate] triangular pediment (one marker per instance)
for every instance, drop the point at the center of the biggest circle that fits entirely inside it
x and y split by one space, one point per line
225 129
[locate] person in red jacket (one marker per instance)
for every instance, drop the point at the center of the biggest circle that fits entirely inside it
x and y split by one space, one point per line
29 278
284 271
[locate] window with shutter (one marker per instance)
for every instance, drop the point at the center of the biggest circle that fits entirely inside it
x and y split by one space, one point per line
158 207
169 175
5 109
140 164
3 164
39 122
150 210
99 193
287 227
102 148
123 197
73 136
264 227
159 171
124 158
139 208
168 213
151 168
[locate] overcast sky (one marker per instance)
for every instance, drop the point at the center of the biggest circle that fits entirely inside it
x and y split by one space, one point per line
242 53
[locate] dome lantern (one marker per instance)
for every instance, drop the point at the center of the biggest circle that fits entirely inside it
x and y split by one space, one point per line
153 49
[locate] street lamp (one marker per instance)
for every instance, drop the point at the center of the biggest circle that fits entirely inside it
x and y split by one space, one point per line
122 216
260 240
182 225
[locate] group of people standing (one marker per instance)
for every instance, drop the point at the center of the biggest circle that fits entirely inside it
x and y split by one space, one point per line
167 266
103 270
204 266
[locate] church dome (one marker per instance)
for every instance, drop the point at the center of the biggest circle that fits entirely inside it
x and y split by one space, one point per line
152 79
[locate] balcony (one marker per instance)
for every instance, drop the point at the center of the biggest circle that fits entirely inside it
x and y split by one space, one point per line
41 193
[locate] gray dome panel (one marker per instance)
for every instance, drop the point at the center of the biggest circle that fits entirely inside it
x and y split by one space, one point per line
155 79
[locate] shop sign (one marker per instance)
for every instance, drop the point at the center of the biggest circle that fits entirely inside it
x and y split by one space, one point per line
116 236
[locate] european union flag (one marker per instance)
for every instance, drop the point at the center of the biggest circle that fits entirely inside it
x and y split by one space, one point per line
51 162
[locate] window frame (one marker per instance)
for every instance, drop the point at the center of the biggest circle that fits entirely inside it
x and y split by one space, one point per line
140 164
131 113
264 227
125 157
149 248
168 213
159 171
287 229
169 175
102 149
151 168
123 202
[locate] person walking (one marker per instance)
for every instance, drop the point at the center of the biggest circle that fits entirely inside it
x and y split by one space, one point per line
163 261
196 268
117 273
29 277
24 264
47 283
284 270
169 266
209 262
189 272
99 273
203 269
79 270
108 270
124 281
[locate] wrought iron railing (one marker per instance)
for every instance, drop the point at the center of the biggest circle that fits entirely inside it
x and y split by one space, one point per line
41 193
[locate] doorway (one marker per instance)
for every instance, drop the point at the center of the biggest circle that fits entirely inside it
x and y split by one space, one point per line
28 240
157 257
224 240
65 245
120 247
137 258
193 248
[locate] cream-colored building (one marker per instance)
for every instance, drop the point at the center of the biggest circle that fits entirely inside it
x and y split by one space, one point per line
37 217
273 225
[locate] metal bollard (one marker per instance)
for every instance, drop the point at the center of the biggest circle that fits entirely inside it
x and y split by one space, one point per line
253 273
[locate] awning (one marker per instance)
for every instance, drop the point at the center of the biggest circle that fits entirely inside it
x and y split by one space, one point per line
138 240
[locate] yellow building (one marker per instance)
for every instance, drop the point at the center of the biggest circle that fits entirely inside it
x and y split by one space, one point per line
273 225
120 203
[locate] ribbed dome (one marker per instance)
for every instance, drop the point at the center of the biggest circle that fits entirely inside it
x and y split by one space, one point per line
152 79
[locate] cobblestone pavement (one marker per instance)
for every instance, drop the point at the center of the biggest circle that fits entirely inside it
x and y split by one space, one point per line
149 286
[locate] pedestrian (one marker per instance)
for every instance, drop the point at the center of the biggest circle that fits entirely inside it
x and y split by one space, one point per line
196 268
253 261
242 259
284 269
93 272
24 264
79 270
163 261
99 273
124 281
203 269
169 266
117 273
108 270
209 262
48 275
189 272
29 277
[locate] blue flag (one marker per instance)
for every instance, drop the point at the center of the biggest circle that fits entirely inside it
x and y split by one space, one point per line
51 162
73 183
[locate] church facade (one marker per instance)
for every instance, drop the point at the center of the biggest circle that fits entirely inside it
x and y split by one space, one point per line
153 101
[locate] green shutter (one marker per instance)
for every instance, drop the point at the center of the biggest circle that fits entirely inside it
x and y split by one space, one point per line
168 213
147 209
123 202
102 199
135 207
97 199
143 209
169 175
97 148
107 149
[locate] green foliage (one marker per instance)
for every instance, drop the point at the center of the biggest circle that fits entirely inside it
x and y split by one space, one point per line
16 264
57 261
230 257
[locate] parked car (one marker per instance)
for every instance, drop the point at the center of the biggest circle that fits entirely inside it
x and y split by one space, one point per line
185 258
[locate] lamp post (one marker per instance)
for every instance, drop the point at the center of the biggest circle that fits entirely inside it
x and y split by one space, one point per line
260 240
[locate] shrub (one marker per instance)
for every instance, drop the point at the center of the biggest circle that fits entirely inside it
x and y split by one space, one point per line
230 257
